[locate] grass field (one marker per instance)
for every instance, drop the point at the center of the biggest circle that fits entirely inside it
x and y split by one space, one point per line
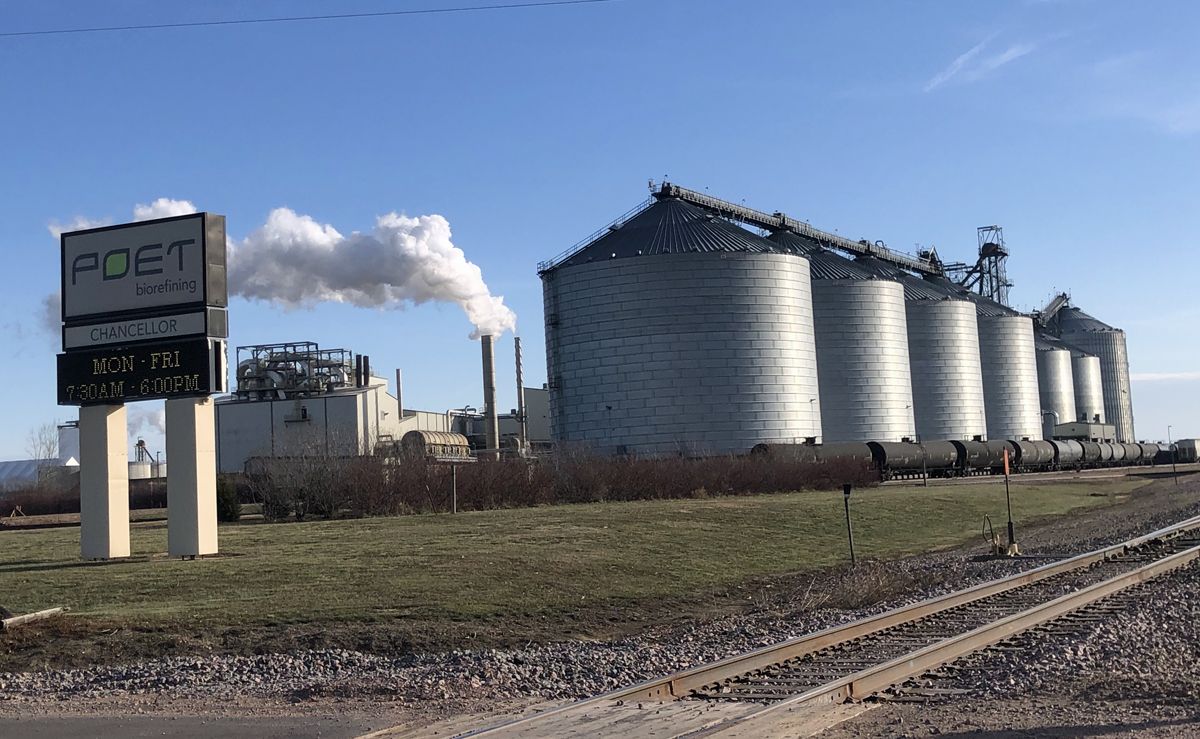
504 566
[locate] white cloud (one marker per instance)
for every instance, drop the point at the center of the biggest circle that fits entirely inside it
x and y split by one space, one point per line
992 63
162 208
78 223
971 66
960 62
1165 376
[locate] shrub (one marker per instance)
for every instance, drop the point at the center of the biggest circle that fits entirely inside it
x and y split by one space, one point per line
229 507
376 486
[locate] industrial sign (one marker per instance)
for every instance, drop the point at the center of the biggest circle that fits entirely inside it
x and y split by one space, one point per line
172 369
212 322
145 267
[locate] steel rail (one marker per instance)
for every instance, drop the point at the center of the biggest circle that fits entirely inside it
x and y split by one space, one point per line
870 681
680 684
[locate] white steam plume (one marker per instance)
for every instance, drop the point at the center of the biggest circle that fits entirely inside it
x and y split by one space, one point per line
296 261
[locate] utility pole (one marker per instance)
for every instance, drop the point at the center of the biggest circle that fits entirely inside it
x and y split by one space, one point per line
1171 445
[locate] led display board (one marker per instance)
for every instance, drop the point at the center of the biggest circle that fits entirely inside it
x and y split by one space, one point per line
169 369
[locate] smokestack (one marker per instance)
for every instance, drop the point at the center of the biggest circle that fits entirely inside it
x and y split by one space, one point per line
358 374
399 394
491 423
366 371
522 427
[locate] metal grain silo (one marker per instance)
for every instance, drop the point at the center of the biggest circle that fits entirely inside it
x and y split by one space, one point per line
1056 385
1010 379
943 353
1107 343
677 332
862 349
1089 389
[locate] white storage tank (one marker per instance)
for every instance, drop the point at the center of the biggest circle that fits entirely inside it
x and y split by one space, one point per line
140 471
1010 379
1056 385
1107 343
677 332
1089 388
862 348
943 351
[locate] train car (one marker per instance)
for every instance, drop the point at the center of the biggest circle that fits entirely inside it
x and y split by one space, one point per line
852 452
1093 455
972 456
896 460
1118 457
1035 455
1133 454
1149 451
1068 453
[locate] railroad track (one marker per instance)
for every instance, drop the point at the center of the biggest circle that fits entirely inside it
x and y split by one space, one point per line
857 660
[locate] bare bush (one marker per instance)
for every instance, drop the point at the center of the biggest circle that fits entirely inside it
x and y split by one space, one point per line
374 486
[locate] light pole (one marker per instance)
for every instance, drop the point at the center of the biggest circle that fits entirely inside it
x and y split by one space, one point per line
816 433
1171 446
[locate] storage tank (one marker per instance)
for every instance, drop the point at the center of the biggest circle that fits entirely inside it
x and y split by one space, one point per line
1089 390
1107 343
1010 380
862 360
140 471
1056 386
677 332
862 348
947 378
943 353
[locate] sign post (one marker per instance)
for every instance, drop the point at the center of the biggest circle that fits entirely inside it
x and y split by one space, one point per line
144 311
1013 550
849 529
103 482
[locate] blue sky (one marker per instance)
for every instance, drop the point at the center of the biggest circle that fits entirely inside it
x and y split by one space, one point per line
1074 124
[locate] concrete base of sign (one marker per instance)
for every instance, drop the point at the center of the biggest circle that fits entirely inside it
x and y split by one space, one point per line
103 482
192 485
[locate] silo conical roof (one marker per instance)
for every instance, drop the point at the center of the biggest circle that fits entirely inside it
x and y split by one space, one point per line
668 226
823 264
1071 318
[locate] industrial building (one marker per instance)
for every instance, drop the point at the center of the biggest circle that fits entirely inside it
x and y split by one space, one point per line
299 400
694 325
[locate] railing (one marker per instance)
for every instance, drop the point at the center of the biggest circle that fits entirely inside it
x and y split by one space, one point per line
579 245
759 219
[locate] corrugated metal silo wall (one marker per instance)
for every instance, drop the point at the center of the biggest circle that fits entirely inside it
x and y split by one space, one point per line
1056 387
1089 388
1010 383
947 381
682 353
862 360
1109 346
